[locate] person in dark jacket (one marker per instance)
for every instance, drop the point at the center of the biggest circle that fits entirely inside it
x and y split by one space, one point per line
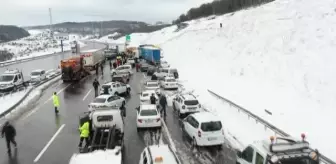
115 64
154 77
95 86
110 62
9 132
163 103
97 70
153 99
102 68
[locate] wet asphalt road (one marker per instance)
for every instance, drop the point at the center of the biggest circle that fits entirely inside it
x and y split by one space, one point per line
37 126
48 62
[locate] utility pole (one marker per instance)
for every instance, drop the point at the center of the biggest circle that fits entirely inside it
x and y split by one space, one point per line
50 17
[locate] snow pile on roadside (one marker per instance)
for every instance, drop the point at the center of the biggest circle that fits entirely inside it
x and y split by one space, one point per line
287 70
9 100
102 157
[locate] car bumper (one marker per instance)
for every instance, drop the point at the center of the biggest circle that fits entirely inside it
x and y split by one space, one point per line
155 124
6 89
205 141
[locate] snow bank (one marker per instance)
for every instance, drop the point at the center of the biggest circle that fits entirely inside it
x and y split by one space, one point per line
102 157
277 57
7 101
35 32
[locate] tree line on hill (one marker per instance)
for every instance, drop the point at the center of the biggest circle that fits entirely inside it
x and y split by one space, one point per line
218 7
9 33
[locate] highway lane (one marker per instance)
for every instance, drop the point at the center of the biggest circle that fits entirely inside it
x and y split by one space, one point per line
48 62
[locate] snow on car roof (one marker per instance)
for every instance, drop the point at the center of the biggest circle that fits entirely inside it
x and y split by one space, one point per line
205 117
147 107
152 82
163 151
99 156
103 96
189 97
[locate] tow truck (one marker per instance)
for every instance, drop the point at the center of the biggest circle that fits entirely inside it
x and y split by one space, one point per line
106 135
280 150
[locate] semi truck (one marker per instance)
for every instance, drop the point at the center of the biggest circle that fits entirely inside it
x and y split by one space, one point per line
73 69
150 53
92 58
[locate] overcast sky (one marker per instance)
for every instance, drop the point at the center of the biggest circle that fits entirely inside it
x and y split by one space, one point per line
35 12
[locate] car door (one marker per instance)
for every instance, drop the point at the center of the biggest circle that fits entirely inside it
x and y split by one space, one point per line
110 101
16 81
187 125
117 100
194 124
119 88
247 156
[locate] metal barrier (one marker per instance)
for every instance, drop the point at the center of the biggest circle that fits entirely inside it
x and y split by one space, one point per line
323 158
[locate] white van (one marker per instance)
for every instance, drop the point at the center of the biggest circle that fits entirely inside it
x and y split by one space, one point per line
10 80
38 75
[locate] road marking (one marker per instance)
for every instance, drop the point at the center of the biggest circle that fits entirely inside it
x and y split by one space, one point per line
172 144
38 107
48 144
87 94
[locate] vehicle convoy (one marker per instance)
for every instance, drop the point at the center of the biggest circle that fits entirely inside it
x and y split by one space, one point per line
92 58
159 154
11 80
116 88
72 69
150 54
107 137
75 47
280 150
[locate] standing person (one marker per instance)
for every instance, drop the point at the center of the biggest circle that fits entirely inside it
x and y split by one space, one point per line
110 64
153 99
102 68
84 134
114 64
56 102
137 66
95 86
9 131
97 69
163 103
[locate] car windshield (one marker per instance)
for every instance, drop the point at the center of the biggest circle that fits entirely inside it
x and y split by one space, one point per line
145 94
35 73
191 102
99 100
211 126
117 79
106 86
6 78
170 80
152 85
298 161
148 113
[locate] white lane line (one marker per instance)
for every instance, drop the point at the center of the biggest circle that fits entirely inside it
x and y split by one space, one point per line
38 107
172 144
87 94
48 144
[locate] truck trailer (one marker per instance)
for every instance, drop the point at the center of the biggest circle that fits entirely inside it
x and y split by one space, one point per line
92 58
73 69
150 54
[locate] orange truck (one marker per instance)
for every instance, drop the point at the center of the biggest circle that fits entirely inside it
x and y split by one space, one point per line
73 69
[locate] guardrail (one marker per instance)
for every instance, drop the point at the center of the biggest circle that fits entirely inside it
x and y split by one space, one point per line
323 158
25 96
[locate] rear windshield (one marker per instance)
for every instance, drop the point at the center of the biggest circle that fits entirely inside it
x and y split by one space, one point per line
99 100
116 78
148 113
171 80
152 85
191 102
106 86
211 126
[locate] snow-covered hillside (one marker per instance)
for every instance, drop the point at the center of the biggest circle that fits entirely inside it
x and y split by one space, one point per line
278 57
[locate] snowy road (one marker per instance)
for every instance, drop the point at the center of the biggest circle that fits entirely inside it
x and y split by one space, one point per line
44 138
47 62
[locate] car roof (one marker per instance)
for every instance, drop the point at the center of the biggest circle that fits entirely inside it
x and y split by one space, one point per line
147 107
38 70
111 83
205 117
152 82
169 77
162 151
188 97
148 91
104 96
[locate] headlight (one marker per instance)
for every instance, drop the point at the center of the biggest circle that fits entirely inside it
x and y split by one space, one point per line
274 159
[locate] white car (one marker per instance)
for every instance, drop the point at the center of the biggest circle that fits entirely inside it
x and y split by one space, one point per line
153 85
162 154
165 72
164 64
104 101
51 73
38 75
148 116
186 104
204 129
11 80
115 88
123 68
169 83
145 96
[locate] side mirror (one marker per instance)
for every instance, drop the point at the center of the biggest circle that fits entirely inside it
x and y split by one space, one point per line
239 153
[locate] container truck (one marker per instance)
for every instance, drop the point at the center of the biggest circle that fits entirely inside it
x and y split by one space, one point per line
73 69
150 54
92 58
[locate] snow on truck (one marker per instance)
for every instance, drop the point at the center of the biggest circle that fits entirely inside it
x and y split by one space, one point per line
92 58
279 150
73 69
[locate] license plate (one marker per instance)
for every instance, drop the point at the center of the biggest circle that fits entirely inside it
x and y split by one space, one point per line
149 121
192 108
212 138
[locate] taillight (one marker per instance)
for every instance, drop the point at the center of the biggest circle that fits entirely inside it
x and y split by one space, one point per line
199 134
199 105
158 119
139 120
183 107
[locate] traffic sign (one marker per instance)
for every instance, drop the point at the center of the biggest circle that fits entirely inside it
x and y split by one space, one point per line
128 37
